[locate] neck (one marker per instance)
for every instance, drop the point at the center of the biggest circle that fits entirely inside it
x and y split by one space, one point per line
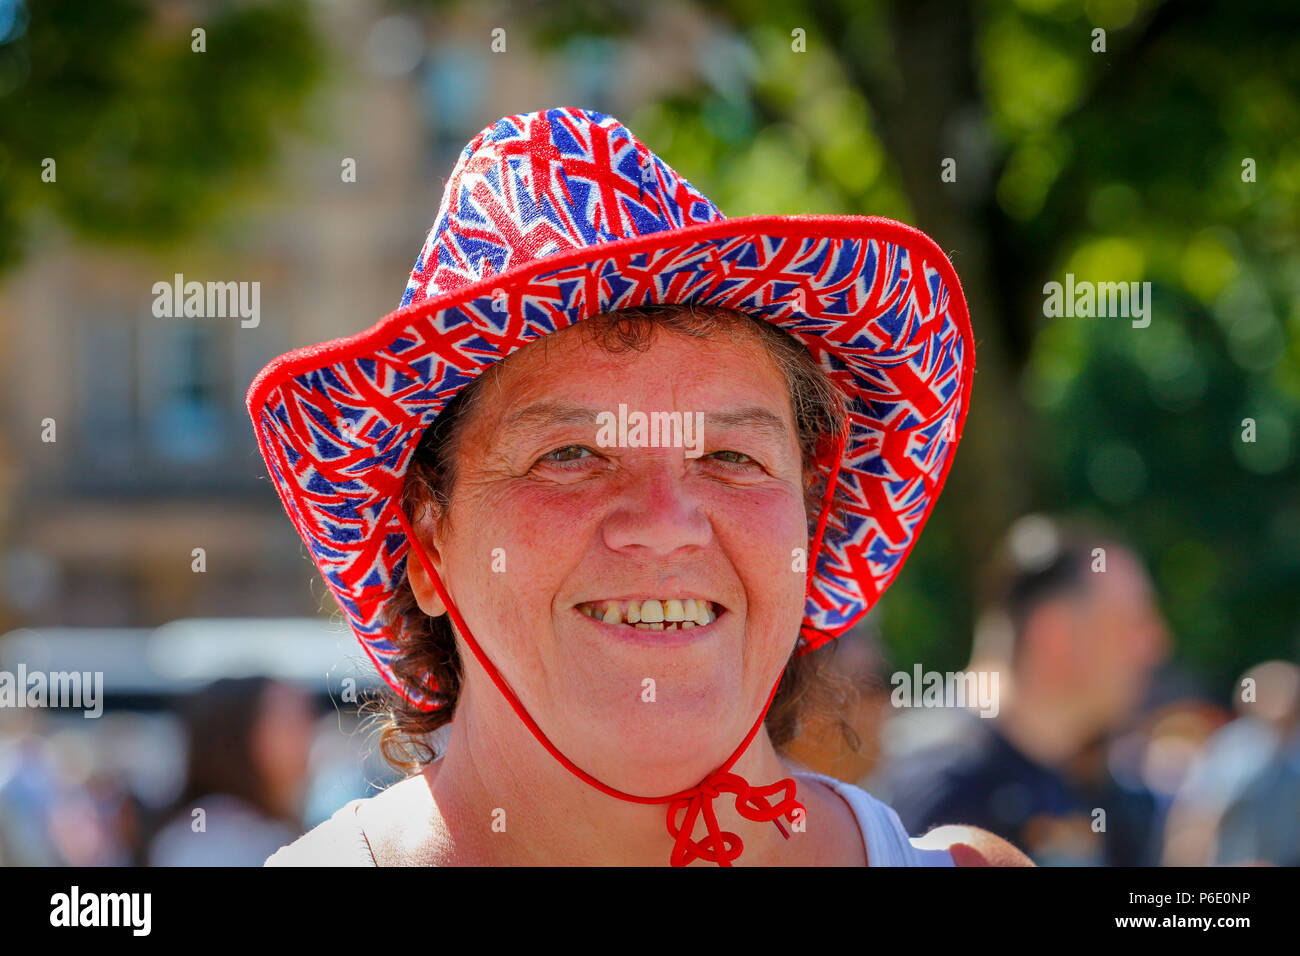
502 799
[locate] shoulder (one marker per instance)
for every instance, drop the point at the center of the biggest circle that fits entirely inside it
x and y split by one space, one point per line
971 846
889 844
339 841
883 838
835 842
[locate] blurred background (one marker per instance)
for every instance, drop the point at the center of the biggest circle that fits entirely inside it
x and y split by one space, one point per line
303 145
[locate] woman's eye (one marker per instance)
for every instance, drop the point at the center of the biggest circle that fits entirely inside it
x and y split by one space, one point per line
733 458
567 454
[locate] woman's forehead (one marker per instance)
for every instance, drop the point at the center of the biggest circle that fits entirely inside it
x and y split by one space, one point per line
550 412
570 376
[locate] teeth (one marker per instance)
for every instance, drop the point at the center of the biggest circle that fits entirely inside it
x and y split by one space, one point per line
668 614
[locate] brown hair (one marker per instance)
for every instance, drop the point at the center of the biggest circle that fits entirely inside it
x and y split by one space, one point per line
220 721
429 655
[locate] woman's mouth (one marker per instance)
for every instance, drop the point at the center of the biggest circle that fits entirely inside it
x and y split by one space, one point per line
654 614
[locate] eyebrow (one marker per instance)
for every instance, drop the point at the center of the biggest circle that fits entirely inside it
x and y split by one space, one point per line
550 413
750 416
553 412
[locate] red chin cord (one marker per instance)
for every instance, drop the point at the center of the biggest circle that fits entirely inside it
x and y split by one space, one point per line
753 803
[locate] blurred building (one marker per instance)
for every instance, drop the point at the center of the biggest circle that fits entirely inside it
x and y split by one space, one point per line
154 455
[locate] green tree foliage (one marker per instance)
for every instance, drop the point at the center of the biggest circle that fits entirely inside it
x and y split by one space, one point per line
1117 165
151 139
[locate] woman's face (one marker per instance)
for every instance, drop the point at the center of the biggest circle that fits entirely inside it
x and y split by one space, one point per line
548 525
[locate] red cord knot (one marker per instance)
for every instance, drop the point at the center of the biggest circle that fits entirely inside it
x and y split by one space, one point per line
722 846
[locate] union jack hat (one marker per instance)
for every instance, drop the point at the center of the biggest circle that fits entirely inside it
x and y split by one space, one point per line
555 216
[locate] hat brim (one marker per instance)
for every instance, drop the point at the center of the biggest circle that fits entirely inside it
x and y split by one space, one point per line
875 301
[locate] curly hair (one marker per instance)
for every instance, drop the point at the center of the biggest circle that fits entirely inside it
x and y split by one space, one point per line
429 657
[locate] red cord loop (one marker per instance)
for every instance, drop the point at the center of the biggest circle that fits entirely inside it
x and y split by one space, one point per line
722 846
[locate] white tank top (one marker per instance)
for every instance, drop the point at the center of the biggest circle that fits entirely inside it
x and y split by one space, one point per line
887 842
341 841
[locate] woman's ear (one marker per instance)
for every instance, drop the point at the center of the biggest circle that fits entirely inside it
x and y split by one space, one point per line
426 595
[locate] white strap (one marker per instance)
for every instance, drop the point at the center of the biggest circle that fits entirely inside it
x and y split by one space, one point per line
882 831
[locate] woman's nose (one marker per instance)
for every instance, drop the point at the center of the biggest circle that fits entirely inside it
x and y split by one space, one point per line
655 511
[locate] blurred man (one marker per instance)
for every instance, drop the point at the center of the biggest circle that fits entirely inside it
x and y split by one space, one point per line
1073 632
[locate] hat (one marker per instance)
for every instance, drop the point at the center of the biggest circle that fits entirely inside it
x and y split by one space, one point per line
556 216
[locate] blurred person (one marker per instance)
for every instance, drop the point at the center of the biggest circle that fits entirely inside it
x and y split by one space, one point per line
610 632
1263 824
1234 757
30 793
846 745
249 741
1073 647
1147 765
1241 801
57 808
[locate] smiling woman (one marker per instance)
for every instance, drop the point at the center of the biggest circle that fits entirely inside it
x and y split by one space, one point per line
428 646
605 631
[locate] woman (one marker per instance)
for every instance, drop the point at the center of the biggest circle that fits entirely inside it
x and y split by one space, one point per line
628 526
248 740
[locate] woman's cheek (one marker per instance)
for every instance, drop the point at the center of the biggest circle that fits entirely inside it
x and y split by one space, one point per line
521 545
768 525
766 539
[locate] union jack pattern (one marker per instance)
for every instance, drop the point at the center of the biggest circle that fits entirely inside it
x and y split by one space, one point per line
552 217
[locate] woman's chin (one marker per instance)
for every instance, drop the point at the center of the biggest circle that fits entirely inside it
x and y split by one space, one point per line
660 756
661 774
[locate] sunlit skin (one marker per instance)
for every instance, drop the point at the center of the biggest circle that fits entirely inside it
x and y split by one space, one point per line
576 522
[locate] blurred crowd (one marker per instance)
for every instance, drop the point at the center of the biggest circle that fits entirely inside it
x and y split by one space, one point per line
1099 751
1102 750
222 776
